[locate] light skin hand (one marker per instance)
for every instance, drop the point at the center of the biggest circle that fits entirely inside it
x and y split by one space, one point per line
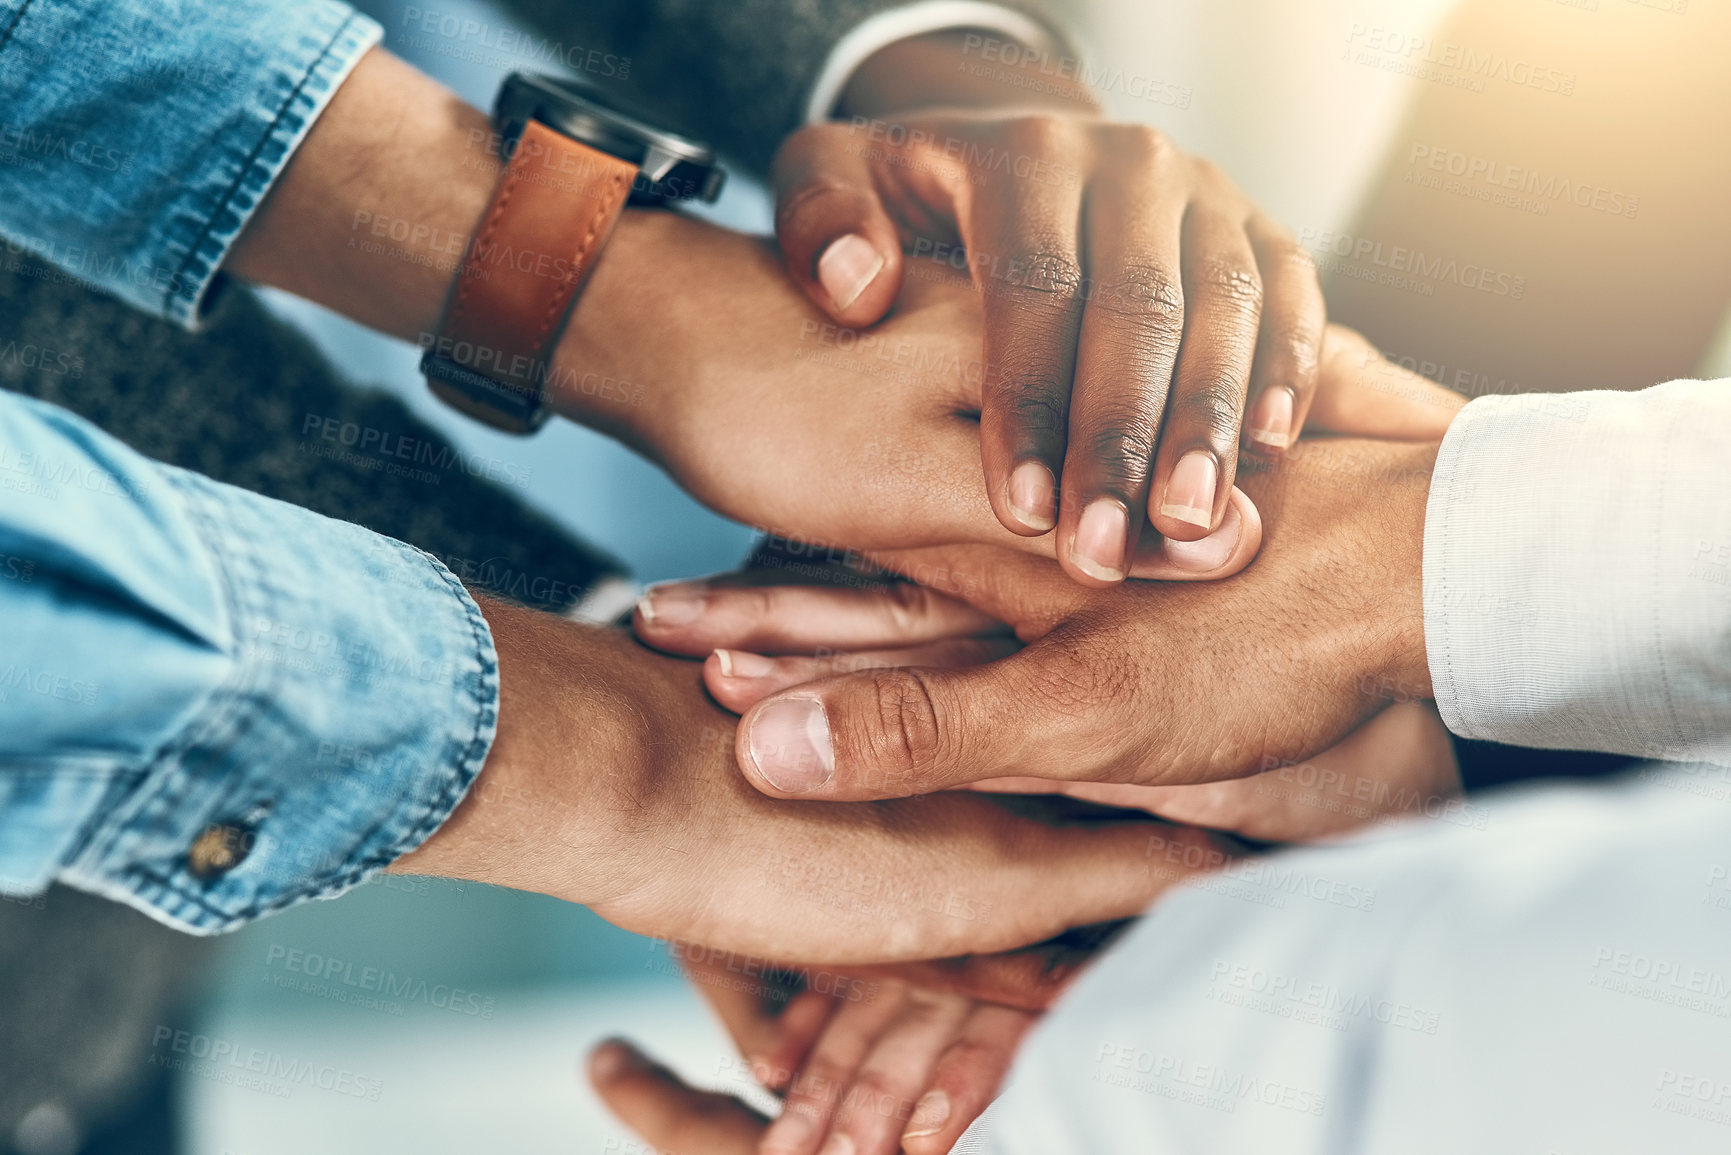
675 1119
611 783
1143 320
897 1063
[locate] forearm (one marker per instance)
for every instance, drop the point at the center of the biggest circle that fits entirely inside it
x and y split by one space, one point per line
372 217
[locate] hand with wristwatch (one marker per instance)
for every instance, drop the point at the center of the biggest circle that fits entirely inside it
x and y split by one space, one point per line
572 165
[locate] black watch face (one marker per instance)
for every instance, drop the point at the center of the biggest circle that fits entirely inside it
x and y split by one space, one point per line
670 167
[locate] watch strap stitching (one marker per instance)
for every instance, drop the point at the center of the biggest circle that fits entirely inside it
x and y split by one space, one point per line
612 203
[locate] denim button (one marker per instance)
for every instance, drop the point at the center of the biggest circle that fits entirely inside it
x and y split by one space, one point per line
219 849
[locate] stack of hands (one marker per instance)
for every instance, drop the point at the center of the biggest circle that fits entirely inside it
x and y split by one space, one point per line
834 771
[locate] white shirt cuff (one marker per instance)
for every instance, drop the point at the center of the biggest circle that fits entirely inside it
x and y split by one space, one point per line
1577 571
917 19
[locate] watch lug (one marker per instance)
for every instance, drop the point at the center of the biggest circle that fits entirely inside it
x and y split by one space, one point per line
657 163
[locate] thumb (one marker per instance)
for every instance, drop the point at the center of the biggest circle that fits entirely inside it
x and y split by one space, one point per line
893 733
837 239
1361 393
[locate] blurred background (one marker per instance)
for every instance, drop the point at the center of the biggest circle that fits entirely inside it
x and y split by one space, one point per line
1372 128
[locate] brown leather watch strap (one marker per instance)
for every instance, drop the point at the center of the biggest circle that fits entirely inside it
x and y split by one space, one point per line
536 244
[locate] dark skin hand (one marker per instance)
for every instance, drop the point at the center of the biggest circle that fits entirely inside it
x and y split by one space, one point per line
1143 320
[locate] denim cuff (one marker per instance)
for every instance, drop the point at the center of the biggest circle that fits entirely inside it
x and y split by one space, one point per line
310 65
139 138
359 707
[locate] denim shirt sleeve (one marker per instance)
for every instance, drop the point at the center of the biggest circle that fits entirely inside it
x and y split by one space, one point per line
137 137
179 656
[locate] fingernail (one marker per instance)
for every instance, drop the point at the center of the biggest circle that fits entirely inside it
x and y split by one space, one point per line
930 1114
1190 494
790 746
1271 419
847 267
788 1133
678 604
838 1145
1101 537
1212 551
1032 495
743 664
612 1057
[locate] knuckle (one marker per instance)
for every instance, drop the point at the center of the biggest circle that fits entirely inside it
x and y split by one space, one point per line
906 736
819 1086
1232 284
1036 403
1121 449
815 201
1287 254
1214 404
1146 294
873 1089
1041 132
757 604
1141 144
906 606
1075 686
1051 273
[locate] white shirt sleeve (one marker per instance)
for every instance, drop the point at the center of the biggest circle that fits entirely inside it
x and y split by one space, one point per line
1577 571
917 19
1558 980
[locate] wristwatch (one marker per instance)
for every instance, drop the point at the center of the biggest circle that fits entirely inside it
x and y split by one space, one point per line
573 162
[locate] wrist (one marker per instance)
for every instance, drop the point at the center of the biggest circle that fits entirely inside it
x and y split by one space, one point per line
947 69
372 217
1406 660
673 316
537 816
